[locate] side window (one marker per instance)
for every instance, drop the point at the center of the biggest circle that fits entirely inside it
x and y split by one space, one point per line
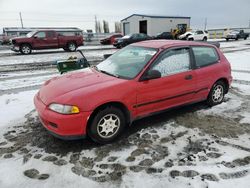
173 62
205 56
50 34
199 32
142 36
40 35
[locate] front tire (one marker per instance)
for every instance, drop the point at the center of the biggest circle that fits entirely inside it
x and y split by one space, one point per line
106 125
25 49
205 39
217 93
71 47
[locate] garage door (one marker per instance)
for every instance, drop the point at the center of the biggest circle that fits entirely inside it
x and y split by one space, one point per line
126 28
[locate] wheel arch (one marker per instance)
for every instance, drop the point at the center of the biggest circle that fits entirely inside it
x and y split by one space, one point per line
116 104
71 41
26 43
225 81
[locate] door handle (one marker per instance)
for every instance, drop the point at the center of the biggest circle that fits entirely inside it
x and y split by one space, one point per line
188 77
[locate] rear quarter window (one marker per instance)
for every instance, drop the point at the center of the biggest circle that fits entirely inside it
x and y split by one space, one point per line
205 56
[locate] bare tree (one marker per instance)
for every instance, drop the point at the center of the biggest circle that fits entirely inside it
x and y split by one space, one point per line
117 27
98 27
105 26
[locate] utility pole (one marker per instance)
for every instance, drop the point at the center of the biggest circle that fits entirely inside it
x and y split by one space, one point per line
21 19
96 26
205 25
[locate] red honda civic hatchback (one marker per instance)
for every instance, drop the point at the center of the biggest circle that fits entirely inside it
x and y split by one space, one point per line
138 80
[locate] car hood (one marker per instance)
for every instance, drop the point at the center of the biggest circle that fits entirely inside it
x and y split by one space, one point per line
233 33
67 83
107 38
20 38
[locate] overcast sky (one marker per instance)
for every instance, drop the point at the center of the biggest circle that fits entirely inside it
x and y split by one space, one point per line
81 13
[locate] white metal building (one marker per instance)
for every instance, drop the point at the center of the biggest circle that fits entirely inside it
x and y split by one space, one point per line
151 25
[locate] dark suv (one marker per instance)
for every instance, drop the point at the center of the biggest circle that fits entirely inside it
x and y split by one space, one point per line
164 35
129 39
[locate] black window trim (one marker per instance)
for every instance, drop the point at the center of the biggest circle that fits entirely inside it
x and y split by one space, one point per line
191 56
194 60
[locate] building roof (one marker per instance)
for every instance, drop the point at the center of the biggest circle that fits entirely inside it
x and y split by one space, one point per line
156 16
15 29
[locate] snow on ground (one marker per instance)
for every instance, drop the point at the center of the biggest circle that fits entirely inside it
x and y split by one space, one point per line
49 57
239 60
26 73
241 76
14 107
244 89
6 49
11 177
25 82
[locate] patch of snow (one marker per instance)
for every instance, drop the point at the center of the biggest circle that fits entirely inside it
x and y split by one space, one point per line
59 176
241 76
244 89
239 60
24 82
14 107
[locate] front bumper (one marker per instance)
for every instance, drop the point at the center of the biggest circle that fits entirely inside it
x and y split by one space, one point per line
231 36
67 127
15 48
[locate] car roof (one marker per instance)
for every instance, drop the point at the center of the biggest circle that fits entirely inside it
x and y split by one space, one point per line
169 43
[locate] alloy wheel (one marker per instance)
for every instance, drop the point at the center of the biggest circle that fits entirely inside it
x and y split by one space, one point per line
26 49
108 126
217 95
72 47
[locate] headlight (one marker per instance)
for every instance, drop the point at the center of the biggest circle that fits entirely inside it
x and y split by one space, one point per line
64 109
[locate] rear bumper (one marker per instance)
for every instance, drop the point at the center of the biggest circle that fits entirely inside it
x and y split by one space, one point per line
67 127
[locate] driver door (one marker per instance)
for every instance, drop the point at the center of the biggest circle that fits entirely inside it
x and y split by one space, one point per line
199 35
40 40
175 87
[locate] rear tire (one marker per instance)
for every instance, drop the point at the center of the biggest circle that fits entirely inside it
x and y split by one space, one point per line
25 49
217 93
191 39
106 125
71 47
205 39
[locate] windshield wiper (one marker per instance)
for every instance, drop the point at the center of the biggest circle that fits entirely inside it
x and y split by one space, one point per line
105 72
95 67
108 73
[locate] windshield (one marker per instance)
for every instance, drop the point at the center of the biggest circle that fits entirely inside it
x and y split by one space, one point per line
127 62
234 32
127 36
30 34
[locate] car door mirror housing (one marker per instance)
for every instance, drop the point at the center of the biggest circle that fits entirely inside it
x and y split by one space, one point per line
35 37
150 75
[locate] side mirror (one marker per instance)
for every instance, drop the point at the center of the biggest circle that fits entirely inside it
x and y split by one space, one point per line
150 75
35 37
